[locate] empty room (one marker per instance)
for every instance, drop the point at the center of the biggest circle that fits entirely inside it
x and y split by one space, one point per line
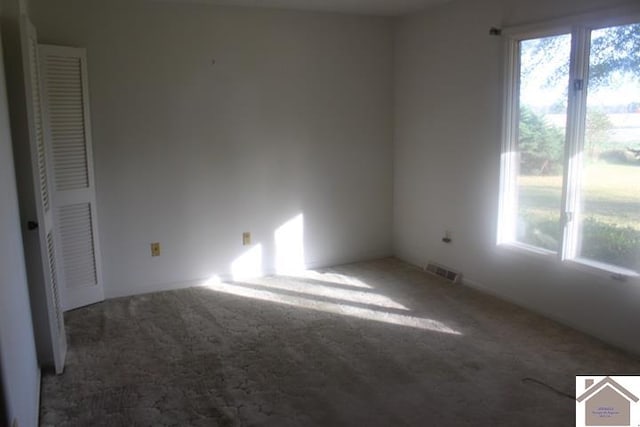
319 212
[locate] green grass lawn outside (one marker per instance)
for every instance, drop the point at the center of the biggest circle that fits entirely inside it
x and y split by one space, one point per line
611 195
611 213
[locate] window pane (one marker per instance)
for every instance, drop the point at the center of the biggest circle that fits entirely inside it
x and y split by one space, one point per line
610 184
544 76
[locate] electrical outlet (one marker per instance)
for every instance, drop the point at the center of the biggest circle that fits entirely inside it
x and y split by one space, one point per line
246 238
155 249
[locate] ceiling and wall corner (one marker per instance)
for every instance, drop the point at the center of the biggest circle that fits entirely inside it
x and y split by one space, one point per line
362 7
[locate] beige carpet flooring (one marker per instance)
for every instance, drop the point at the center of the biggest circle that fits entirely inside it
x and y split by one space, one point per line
370 344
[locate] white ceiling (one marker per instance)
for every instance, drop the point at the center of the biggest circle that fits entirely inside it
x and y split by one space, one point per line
367 7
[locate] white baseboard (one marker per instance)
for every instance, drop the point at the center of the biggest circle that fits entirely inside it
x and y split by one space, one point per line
189 283
151 287
474 284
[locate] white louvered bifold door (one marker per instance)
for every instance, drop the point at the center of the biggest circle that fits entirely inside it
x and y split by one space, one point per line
45 275
67 132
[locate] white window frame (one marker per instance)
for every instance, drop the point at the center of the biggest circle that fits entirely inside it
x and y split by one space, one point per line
579 27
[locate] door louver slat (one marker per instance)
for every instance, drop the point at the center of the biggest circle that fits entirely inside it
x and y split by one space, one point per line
76 235
63 83
54 284
42 166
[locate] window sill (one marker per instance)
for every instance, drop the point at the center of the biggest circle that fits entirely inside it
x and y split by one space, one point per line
599 269
528 250
612 272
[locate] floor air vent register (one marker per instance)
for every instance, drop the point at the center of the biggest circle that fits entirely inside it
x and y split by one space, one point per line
443 272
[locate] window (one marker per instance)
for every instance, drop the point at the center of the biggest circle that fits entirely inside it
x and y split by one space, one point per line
571 152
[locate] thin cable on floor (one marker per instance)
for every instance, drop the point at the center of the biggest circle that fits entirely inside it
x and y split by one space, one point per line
555 390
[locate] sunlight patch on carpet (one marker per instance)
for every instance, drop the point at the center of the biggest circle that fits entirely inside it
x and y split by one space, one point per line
328 291
215 284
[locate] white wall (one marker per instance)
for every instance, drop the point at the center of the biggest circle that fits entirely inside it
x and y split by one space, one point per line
448 92
294 117
19 371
